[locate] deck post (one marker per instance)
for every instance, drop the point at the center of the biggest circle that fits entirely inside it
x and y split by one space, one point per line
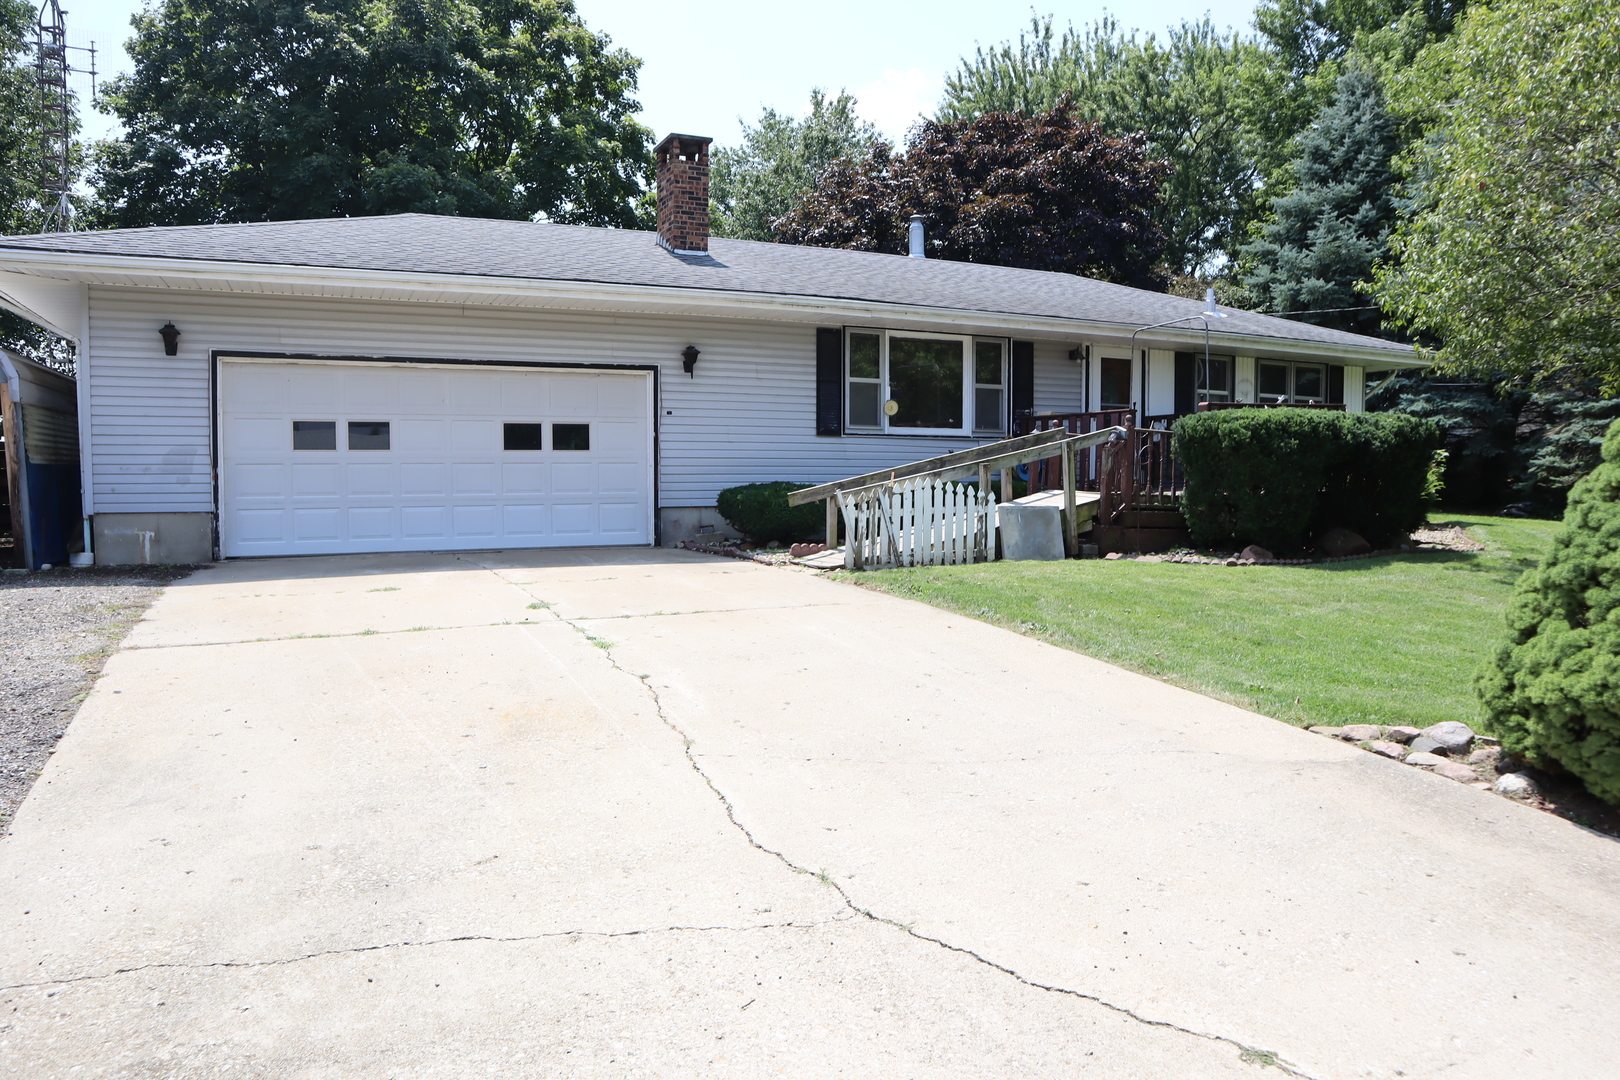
984 480
832 521
1007 473
1071 526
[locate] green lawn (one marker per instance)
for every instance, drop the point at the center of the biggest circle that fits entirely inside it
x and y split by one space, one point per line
1383 641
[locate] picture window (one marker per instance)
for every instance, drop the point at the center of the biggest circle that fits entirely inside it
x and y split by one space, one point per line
934 384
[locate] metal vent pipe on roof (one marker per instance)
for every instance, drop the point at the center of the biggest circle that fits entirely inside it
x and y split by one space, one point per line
917 237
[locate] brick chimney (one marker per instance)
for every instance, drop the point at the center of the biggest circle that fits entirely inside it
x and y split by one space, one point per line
683 193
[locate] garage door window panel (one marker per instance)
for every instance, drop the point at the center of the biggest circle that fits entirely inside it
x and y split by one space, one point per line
368 435
570 436
314 434
523 436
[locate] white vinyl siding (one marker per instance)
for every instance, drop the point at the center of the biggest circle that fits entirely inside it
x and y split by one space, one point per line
1355 389
747 415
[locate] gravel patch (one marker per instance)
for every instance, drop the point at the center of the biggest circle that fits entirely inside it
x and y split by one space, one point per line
57 628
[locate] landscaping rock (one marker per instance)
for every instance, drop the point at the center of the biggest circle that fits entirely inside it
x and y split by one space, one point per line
1257 553
1337 543
1452 770
1401 734
1359 732
1424 758
1321 729
1113 555
1515 786
1454 736
1486 755
1388 749
1427 745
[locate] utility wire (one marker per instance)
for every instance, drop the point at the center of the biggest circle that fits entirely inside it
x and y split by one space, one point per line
1320 311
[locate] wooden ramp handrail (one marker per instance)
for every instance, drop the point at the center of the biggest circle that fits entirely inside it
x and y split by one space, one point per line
1007 452
1003 455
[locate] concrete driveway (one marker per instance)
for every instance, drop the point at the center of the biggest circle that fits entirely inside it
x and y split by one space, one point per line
648 813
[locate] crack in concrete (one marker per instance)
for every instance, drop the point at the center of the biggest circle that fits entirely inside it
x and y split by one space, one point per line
1248 1054
323 637
516 938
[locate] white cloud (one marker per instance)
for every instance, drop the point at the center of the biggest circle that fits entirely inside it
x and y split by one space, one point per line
897 99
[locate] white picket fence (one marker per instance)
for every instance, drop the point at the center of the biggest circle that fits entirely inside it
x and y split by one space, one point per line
919 522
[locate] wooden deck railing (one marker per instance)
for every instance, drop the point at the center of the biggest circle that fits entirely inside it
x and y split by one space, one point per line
1137 470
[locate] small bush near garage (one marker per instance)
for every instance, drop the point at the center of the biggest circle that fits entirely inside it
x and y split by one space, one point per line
761 513
1277 477
1553 691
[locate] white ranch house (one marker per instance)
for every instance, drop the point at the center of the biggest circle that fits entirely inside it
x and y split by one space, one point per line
412 382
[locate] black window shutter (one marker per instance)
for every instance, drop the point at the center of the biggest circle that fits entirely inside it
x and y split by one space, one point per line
829 381
1335 384
1023 380
1186 383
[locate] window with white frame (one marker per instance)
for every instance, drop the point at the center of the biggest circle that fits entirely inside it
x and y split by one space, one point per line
902 381
1286 381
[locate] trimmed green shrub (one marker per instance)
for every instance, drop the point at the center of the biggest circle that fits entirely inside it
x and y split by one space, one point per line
1377 474
1277 477
761 513
1553 691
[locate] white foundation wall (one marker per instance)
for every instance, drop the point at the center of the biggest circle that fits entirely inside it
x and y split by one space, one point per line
748 415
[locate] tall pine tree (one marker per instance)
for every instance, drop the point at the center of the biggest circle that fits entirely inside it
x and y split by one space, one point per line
1325 235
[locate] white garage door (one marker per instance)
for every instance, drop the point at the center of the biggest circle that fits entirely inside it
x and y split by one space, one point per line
330 457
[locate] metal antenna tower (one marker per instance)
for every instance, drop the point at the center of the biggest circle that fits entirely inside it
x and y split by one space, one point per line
56 114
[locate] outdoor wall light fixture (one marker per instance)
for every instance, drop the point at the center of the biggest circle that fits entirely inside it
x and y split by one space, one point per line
170 334
689 357
1079 353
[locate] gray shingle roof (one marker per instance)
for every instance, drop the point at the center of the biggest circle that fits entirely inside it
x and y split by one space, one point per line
421 243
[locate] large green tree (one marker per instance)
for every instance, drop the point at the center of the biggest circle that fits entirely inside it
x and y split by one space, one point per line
1046 192
250 110
1324 236
19 112
1189 96
1512 257
779 162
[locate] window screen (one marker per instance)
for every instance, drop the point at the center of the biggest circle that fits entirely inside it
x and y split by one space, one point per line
314 434
570 436
523 436
368 435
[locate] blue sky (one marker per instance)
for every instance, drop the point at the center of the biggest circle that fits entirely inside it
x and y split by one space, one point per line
707 64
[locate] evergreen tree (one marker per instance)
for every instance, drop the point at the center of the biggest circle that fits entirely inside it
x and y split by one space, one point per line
1326 234
780 161
1553 691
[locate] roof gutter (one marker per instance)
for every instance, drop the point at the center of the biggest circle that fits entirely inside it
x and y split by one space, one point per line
128 270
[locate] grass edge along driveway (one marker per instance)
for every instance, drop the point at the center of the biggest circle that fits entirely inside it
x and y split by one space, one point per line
1394 640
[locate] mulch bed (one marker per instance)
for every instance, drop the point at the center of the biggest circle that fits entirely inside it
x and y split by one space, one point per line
57 628
1423 540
